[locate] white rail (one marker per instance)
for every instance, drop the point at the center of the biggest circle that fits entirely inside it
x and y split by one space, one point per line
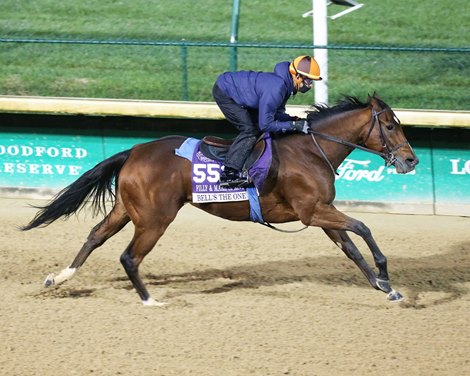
191 110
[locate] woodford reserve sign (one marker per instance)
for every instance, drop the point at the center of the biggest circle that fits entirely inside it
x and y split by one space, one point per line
440 184
56 156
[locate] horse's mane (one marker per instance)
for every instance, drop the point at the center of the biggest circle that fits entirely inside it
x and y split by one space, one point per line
347 103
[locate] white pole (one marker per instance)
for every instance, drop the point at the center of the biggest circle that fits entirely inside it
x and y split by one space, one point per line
320 38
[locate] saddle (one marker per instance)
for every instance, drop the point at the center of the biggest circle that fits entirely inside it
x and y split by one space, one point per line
216 148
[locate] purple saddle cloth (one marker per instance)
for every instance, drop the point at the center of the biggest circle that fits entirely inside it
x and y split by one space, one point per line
206 171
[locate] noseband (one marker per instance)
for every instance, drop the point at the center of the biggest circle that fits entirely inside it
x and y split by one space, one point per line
388 155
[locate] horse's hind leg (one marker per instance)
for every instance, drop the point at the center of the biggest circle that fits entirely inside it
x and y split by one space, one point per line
147 232
344 242
142 243
108 227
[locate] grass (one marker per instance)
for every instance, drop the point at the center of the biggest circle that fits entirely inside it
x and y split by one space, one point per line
404 79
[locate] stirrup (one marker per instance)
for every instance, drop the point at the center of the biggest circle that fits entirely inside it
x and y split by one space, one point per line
240 182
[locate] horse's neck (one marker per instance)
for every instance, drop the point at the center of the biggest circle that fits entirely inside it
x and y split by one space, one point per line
349 126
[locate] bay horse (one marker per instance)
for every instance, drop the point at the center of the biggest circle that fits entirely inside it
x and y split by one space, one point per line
148 184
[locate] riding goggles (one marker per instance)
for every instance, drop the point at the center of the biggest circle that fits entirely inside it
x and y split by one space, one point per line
307 81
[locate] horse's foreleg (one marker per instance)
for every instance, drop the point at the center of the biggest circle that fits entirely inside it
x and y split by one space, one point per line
344 242
329 218
112 224
380 260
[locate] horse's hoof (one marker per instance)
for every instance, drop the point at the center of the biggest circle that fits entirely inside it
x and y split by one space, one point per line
151 302
49 281
383 285
395 296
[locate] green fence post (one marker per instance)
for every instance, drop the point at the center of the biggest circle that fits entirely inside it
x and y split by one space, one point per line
233 59
184 68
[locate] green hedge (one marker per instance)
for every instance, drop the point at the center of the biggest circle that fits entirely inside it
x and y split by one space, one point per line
404 79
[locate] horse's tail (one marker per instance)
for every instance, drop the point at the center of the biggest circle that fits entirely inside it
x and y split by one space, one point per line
95 184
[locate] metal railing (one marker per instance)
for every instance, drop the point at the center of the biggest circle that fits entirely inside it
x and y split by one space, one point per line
233 51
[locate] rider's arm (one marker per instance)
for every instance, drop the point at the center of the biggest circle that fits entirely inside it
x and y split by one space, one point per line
272 116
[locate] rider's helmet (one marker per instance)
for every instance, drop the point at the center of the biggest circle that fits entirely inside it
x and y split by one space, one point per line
304 69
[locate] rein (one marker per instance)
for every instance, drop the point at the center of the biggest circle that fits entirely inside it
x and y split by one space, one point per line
389 157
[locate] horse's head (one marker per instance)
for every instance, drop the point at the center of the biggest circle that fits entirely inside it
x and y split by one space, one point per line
385 135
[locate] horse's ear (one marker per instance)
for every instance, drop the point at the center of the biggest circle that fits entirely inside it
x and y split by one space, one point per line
373 101
374 98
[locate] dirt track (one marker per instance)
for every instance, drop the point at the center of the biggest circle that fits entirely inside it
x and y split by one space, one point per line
274 304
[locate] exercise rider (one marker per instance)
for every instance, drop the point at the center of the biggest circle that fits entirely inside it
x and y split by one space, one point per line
254 102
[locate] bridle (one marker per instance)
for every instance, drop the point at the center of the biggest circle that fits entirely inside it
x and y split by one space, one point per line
388 155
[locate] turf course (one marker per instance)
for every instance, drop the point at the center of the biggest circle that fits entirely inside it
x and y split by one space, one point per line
404 79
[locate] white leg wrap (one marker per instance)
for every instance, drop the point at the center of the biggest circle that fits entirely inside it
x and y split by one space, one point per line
64 275
151 302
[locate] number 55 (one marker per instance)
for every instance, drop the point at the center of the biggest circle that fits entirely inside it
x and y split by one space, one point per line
200 175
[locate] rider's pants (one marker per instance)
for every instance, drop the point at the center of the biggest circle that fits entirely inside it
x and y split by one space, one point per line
245 120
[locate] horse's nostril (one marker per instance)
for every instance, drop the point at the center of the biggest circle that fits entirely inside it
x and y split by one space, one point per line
412 161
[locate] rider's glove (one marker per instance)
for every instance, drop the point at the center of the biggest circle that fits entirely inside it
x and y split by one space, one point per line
300 126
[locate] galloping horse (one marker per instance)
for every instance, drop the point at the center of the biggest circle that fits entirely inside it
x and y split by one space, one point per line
151 184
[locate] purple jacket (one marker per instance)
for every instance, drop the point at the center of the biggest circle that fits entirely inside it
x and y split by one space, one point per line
263 91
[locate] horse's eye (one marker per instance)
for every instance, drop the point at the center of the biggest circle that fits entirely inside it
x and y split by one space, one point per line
390 126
